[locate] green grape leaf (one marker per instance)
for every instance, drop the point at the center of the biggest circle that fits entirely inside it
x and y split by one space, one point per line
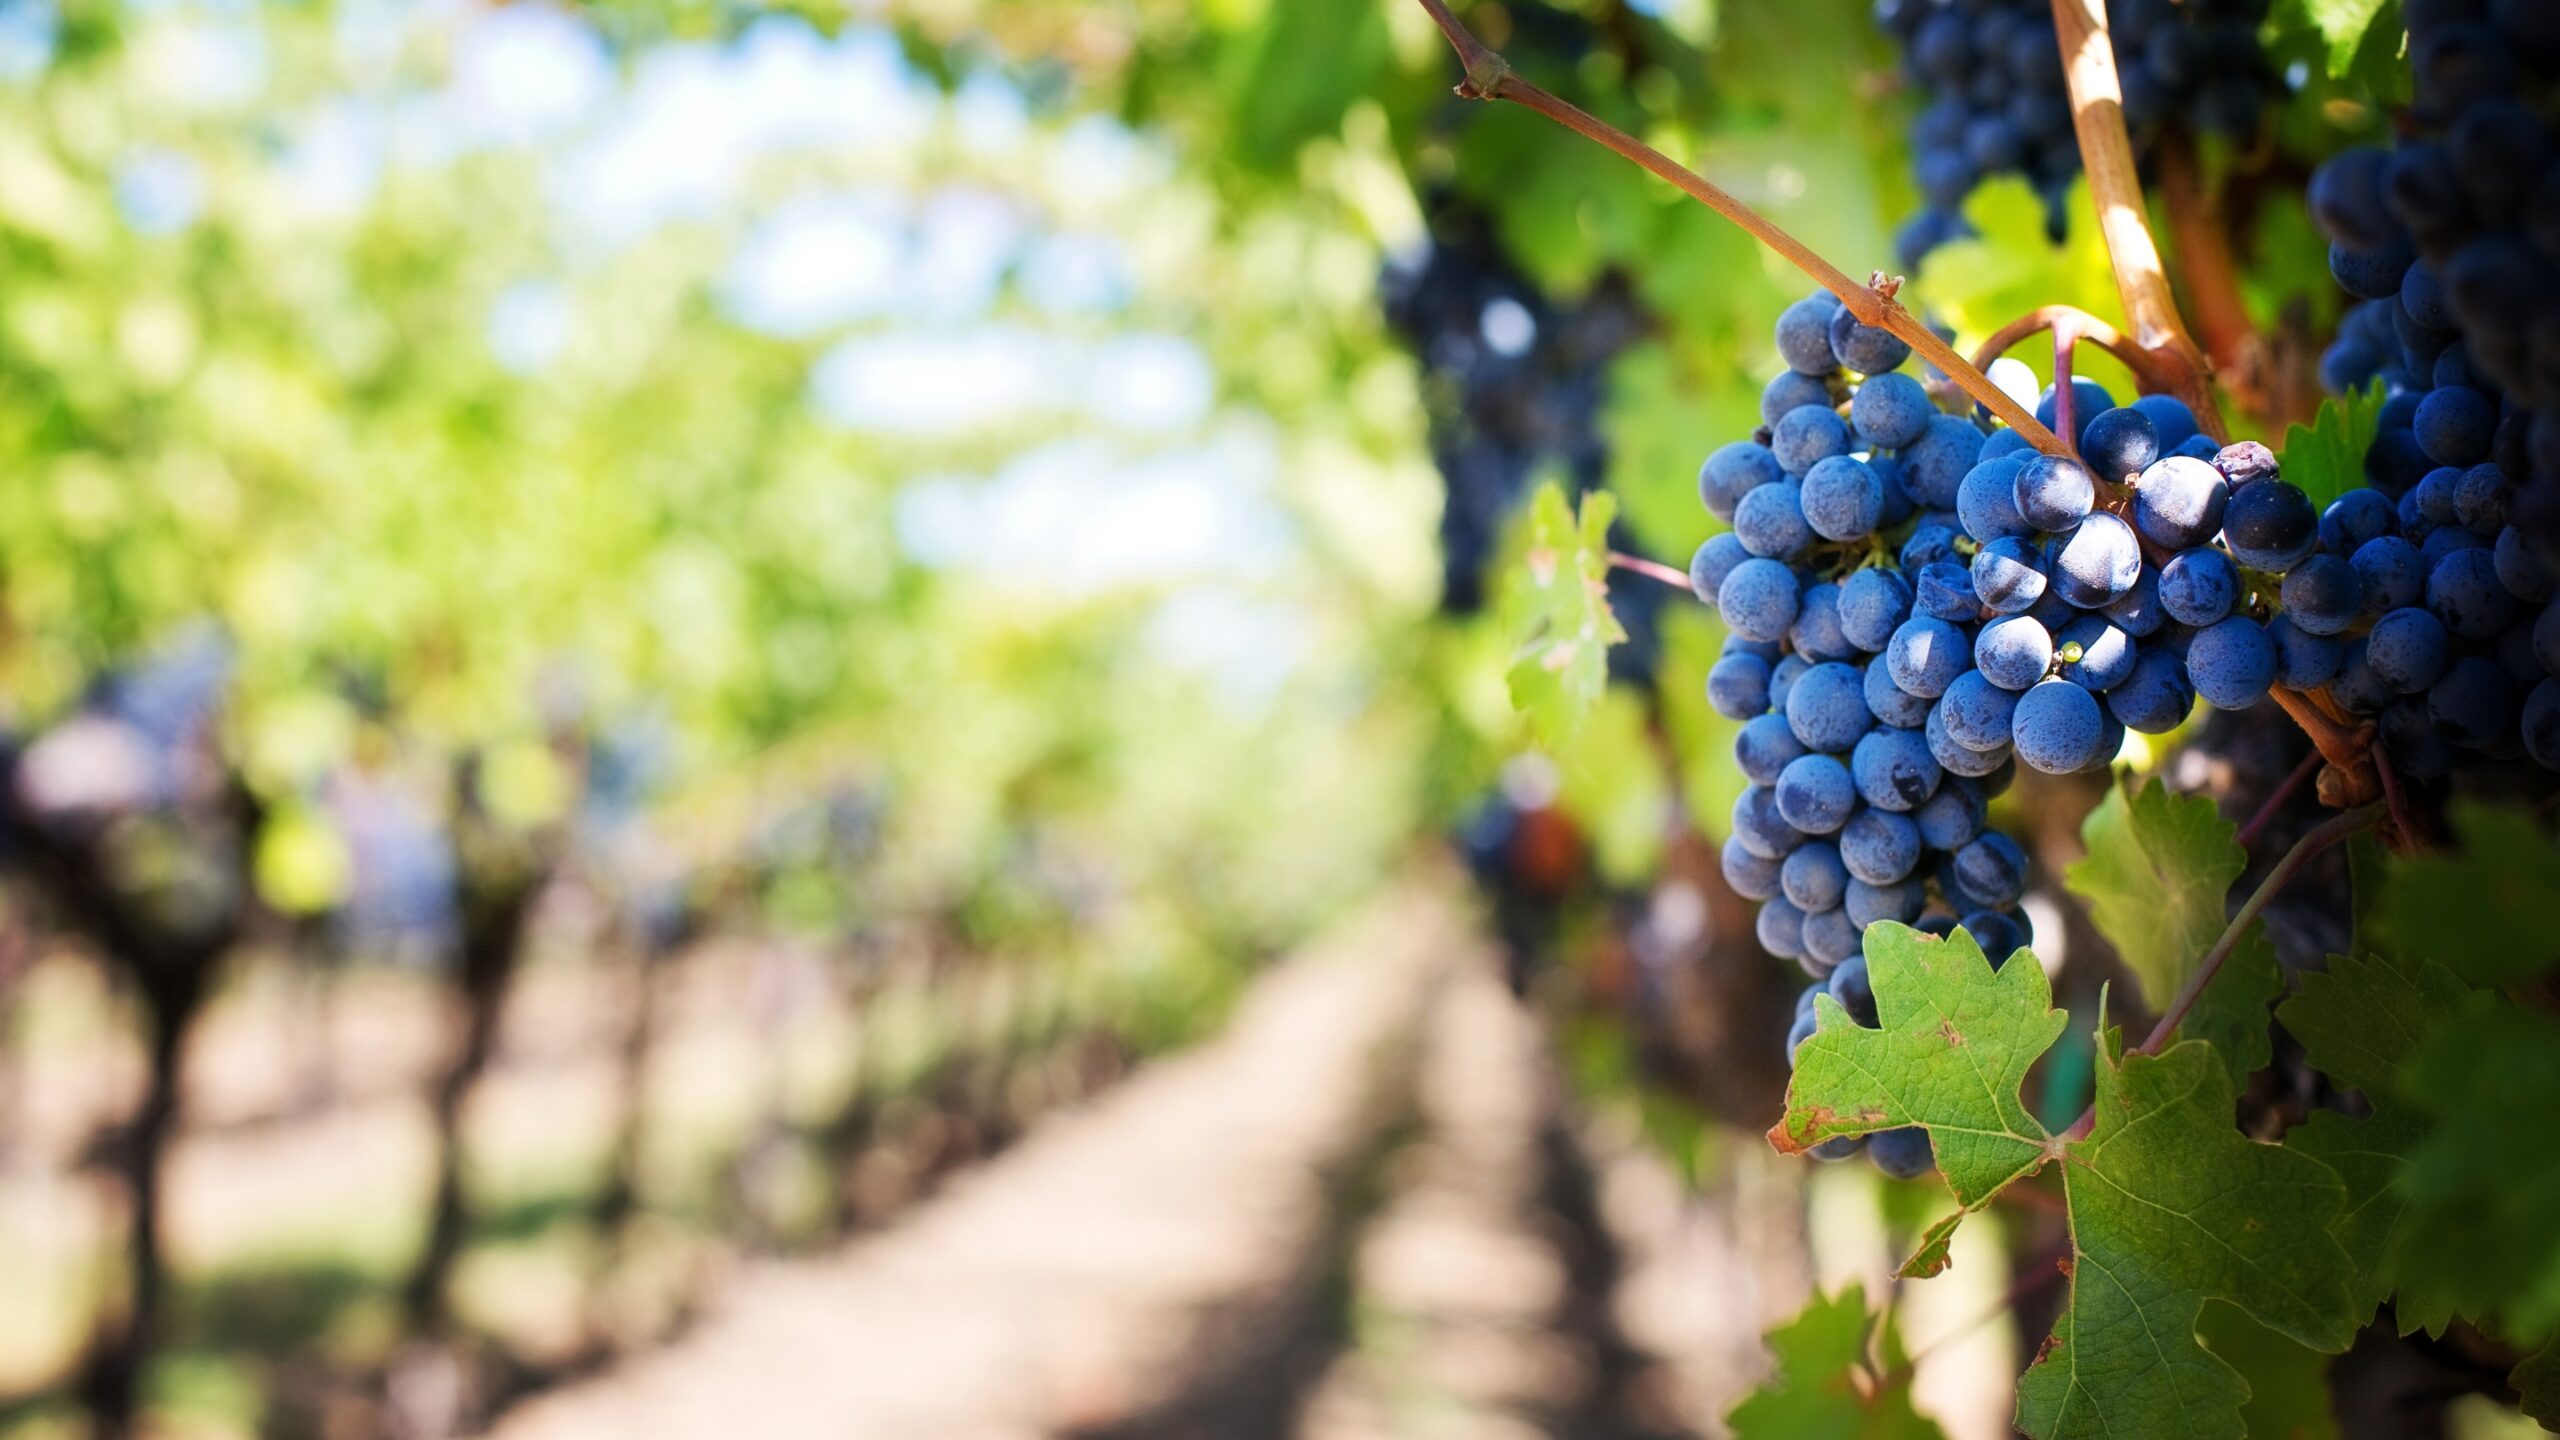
2325 459
2009 265
2493 895
2231 1015
2359 1023
2484 1183
2156 877
1560 608
2342 26
2537 1382
1817 1393
2288 1381
2169 1205
1956 1042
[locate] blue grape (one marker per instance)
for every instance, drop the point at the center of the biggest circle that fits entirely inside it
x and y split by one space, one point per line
2409 735
2454 425
2008 575
2178 502
2052 493
2480 503
1987 500
1891 411
1806 436
1804 335
1827 707
1738 686
2390 572
1813 877
2013 652
1952 817
1817 635
2155 695
1760 827
1872 602
1993 869
2521 569
2089 400
2000 933
1803 1028
2473 705
2056 727
1934 466
1954 756
1853 991
1763 747
1902 1153
2439 496
2356 687
2445 541
2198 587
2303 661
1929 542
2270 526
2172 423
1870 350
1815 795
1976 712
1733 472
1758 599
2409 650
2138 611
2232 663
1842 498
2541 722
1893 769
2097 562
1780 928
1714 560
1751 876
1879 846
2323 595
1945 592
1791 390
1771 522
1782 679
1830 936
2354 518
2196 447
1888 702
2105 655
2464 593
1926 655
2118 445
1900 902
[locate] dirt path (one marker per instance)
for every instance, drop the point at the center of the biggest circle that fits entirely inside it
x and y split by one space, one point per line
1090 1278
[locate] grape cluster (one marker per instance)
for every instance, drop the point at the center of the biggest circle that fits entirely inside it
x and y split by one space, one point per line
1996 104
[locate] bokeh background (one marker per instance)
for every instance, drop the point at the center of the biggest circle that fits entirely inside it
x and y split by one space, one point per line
730 718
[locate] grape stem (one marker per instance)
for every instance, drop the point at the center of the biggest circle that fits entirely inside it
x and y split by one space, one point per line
2200 231
2329 832
2106 154
1490 77
2072 325
2350 778
2267 812
1650 569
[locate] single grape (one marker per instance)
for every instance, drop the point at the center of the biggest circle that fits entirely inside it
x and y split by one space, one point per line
1934 466
1926 655
1888 702
1957 758
1842 498
1851 989
1993 869
1804 335
2464 592
1879 846
1738 686
1780 928
1790 390
2454 425
1893 769
2097 562
2232 662
2118 445
1902 1153
1945 592
2354 518
1763 746
1872 602
2013 652
1900 902
2008 575
1760 827
2000 934
2270 526
1830 936
1782 679
2409 650
1751 876
1734 471
2323 595
1771 521
2138 612
2473 705
2198 587
1815 794
1867 349
1827 707
1976 712
2390 572
1952 817
1986 501
1713 561
2155 695
1890 411
2056 727
2171 421
2178 502
2052 493
1813 877
1806 436
1759 598
2303 661
2095 655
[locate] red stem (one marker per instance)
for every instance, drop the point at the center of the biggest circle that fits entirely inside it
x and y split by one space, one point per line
1650 569
2310 765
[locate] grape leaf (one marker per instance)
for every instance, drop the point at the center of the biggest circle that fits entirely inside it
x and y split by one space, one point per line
2325 459
2231 1014
2156 878
2169 1205
2537 1382
2484 1183
1956 1042
1814 1395
2359 1023
2288 1381
2494 894
2342 25
1560 605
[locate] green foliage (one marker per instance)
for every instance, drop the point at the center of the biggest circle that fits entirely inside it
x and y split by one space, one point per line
2158 869
2010 266
2326 458
1559 605
2288 1382
2360 1022
2169 1205
1614 788
2484 1184
2347 29
2485 909
1826 1387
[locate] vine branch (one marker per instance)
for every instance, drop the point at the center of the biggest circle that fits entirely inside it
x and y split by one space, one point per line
2073 325
1490 77
2106 153
1650 569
